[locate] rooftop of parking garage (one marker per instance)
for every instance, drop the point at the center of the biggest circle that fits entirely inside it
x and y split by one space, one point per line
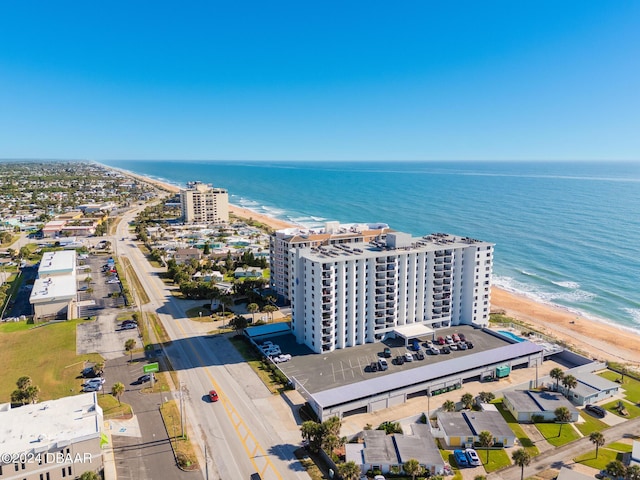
327 371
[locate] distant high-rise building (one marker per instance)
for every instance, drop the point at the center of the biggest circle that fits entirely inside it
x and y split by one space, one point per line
283 244
201 203
349 294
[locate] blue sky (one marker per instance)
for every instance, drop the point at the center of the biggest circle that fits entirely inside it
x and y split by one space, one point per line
374 80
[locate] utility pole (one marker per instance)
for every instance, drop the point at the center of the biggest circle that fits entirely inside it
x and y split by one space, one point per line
182 408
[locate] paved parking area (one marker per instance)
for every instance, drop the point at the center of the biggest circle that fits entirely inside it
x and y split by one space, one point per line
91 303
319 372
104 336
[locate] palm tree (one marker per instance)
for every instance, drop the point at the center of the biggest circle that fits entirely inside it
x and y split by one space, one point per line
569 382
522 458
349 470
98 368
129 345
563 415
32 393
24 382
252 308
270 309
597 438
467 400
449 406
89 476
486 440
117 390
557 374
623 371
412 467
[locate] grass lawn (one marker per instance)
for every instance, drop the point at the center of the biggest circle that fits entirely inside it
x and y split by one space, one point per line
524 441
550 432
633 410
10 327
620 447
200 314
605 455
112 409
630 385
591 424
47 354
497 459
182 447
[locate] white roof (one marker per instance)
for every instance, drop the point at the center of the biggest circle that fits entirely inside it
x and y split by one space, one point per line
413 330
56 262
57 287
42 426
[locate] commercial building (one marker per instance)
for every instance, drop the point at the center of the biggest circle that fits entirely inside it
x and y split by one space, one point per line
51 440
347 294
283 244
54 291
201 203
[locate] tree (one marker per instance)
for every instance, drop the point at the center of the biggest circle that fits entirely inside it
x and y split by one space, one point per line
467 400
24 382
312 433
480 477
32 394
597 438
449 406
252 308
412 467
349 470
26 391
330 442
632 473
332 426
207 249
623 368
129 345
486 440
616 469
486 397
522 458
557 374
89 476
117 390
569 382
238 323
269 309
563 415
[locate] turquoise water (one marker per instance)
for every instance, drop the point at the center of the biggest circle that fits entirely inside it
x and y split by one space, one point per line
511 335
566 233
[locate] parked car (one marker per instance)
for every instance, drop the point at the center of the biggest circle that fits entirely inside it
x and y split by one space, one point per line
469 344
95 381
89 372
460 458
445 349
130 321
596 410
462 337
408 357
461 345
441 341
448 339
285 357
146 378
415 345
453 346
419 355
472 455
400 360
128 326
91 388
387 352
213 396
373 367
433 351
455 338
382 365
274 352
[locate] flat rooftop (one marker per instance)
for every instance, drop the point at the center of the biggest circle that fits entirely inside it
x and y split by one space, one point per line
42 426
57 262
428 243
50 289
326 371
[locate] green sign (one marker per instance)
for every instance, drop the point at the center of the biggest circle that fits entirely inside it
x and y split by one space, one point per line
152 367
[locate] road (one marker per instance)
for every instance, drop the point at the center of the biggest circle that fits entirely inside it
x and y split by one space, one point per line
239 434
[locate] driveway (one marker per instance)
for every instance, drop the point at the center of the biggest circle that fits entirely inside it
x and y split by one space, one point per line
104 337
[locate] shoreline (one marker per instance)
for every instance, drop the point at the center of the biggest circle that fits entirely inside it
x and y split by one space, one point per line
603 340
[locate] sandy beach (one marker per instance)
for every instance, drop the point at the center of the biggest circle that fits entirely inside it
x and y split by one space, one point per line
597 339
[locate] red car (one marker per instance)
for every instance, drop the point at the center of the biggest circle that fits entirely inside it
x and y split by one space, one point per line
441 341
213 396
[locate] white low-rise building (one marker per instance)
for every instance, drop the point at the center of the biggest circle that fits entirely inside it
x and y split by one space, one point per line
54 293
51 440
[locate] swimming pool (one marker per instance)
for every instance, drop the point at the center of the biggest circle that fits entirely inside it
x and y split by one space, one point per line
511 335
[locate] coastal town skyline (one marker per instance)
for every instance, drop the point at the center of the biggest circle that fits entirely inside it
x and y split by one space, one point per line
417 81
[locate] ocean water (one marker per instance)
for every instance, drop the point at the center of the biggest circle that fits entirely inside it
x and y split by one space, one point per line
566 233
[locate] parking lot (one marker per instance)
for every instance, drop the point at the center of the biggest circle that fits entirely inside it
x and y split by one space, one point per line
96 295
319 372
